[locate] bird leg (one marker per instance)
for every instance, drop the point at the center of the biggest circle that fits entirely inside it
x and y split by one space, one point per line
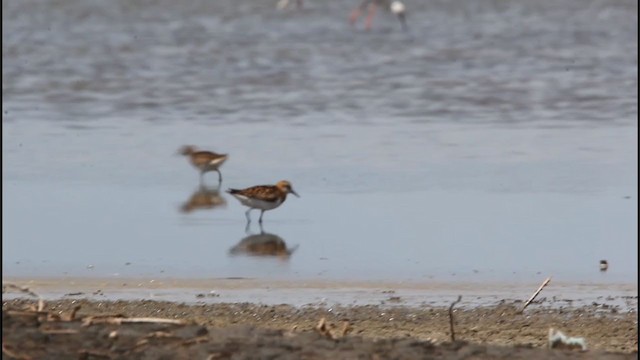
260 220
369 19
248 216
355 14
219 176
403 21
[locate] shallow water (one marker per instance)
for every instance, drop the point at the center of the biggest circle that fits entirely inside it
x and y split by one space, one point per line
495 141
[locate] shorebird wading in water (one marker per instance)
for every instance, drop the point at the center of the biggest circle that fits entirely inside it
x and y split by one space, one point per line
263 197
395 6
205 161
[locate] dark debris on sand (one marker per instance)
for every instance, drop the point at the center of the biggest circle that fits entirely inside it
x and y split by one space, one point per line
32 333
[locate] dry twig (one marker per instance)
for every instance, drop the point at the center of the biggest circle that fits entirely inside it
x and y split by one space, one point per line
121 319
32 313
327 329
160 334
72 315
59 331
25 290
545 283
85 354
22 289
453 334
346 328
196 340
322 327
12 354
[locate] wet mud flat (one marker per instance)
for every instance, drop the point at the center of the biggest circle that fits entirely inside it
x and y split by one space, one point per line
87 329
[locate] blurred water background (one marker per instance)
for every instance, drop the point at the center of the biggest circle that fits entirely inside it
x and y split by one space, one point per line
495 141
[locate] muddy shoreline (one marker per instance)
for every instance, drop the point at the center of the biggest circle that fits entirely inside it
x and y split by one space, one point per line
247 331
607 298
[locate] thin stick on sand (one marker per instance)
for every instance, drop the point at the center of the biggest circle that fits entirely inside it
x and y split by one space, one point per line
545 283
119 320
12 354
25 290
453 334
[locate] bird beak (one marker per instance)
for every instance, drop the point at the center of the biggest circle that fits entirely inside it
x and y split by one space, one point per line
294 193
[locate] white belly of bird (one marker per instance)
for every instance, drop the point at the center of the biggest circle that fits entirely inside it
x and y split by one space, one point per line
397 7
213 165
258 204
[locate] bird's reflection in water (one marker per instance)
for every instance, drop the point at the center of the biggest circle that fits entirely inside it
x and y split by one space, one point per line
205 197
263 244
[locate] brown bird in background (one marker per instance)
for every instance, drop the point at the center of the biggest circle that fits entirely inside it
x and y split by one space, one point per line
396 7
205 161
